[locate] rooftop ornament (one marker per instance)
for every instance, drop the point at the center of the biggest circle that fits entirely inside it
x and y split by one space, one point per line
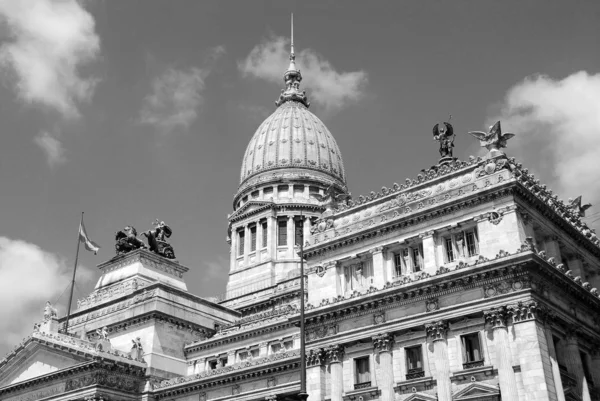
292 78
128 241
577 208
494 140
444 134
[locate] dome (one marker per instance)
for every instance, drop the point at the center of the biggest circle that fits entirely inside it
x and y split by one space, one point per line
291 138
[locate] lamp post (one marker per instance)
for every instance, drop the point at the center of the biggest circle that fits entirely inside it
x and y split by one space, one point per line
303 395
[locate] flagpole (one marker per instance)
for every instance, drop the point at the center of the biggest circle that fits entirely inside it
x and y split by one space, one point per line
74 272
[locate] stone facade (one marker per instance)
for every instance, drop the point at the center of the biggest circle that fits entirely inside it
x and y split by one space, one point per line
469 282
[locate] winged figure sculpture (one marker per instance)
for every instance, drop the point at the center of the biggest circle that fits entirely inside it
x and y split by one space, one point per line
577 208
493 140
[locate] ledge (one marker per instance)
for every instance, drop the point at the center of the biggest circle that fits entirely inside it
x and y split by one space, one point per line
370 393
465 374
429 380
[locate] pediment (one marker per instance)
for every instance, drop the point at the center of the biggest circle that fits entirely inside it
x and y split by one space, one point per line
478 392
421 397
250 207
36 359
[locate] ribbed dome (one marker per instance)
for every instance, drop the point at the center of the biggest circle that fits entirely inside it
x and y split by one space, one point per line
292 137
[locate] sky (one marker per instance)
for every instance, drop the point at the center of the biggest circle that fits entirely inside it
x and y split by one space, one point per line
137 110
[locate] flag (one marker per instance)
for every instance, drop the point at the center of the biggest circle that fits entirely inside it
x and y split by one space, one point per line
87 242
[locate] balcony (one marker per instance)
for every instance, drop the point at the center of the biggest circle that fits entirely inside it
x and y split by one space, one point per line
415 374
473 364
360 386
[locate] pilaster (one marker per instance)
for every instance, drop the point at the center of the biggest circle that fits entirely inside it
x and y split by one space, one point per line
437 332
498 318
576 266
532 350
429 262
596 365
552 247
335 354
316 384
246 245
290 236
379 273
383 344
575 365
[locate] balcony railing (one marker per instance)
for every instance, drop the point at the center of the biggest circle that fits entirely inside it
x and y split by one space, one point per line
473 364
567 381
415 374
359 386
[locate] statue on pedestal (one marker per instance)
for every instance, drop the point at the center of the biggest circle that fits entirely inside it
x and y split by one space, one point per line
137 351
157 239
127 240
444 134
49 311
577 209
333 197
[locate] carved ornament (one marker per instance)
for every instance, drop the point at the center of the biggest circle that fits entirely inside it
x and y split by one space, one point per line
383 342
437 330
335 353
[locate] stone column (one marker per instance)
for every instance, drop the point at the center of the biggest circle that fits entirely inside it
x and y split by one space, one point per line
379 274
291 237
246 245
576 266
306 227
335 354
575 365
271 236
553 249
497 318
437 331
429 262
315 374
560 391
233 249
383 344
596 365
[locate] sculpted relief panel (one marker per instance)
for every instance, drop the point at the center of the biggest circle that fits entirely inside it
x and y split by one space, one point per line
406 203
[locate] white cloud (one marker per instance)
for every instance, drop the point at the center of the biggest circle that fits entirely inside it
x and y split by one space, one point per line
175 98
328 87
557 123
52 147
30 277
49 42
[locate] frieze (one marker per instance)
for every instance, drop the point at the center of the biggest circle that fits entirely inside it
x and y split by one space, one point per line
143 296
321 332
106 294
107 379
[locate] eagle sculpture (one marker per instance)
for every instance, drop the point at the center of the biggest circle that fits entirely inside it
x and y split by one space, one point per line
493 140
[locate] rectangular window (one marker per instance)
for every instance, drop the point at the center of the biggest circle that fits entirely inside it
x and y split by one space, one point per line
264 234
283 191
212 365
363 372
223 362
243 356
471 243
313 192
414 362
298 190
275 348
241 243
268 192
298 233
252 238
288 345
282 232
449 249
398 264
254 353
417 258
254 194
356 276
472 355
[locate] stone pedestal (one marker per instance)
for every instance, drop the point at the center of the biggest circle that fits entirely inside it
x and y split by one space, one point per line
335 354
497 318
383 344
437 333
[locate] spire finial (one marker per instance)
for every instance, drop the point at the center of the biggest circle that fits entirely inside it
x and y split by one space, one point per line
292 37
292 77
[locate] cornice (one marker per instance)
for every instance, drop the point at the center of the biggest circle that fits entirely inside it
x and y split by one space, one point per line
229 374
294 204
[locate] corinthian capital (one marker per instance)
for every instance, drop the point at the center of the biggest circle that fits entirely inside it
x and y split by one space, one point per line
315 357
437 330
528 311
497 317
383 342
335 353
